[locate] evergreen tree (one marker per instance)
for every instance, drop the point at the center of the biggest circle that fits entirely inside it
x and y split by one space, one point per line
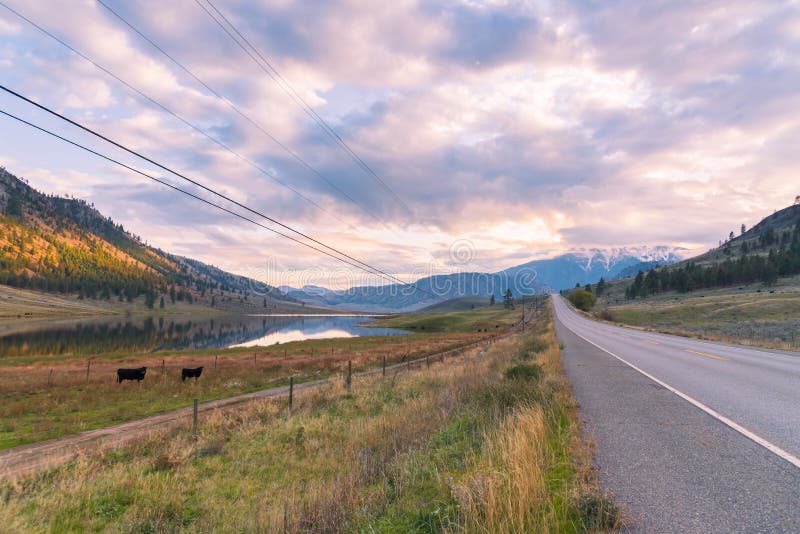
508 300
601 286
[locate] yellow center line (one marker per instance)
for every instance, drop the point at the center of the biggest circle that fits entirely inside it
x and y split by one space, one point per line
706 354
652 342
623 335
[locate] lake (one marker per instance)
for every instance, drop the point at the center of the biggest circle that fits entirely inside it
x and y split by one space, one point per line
119 335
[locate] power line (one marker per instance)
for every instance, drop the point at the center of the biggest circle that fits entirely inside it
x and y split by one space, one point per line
185 192
234 107
287 87
164 182
197 128
196 183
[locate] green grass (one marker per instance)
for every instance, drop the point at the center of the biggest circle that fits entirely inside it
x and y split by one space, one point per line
459 304
404 453
31 411
488 319
751 314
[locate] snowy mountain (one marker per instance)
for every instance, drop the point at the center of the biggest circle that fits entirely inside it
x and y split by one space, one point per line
587 266
562 272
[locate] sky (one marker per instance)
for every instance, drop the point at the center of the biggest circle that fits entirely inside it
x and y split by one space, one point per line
481 134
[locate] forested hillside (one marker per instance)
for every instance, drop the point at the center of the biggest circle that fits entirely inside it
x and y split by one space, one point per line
65 245
762 254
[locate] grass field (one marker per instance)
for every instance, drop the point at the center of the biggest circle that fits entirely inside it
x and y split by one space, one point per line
488 319
767 316
37 405
484 443
458 304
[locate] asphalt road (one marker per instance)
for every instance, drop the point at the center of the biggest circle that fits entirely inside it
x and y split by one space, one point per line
690 435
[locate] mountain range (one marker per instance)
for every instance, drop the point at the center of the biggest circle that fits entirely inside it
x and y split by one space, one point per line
64 245
537 276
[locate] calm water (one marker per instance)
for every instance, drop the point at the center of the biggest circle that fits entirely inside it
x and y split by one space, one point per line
97 336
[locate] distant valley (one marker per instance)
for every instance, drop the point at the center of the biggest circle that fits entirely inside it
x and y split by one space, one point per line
538 276
63 246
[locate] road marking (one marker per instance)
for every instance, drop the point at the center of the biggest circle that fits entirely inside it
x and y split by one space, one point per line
652 342
706 354
794 460
624 335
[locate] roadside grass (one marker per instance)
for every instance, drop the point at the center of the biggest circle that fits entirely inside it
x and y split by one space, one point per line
456 447
752 315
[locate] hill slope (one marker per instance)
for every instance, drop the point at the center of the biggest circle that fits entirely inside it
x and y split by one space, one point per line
64 245
769 250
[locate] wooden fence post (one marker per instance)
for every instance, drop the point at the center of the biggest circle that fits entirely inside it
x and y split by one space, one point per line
194 420
88 366
50 377
349 374
291 391
384 366
215 362
163 367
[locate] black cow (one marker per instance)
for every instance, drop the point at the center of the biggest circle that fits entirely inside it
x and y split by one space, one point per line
131 374
191 373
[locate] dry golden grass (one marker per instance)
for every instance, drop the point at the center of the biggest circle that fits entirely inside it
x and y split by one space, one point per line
457 446
33 411
536 454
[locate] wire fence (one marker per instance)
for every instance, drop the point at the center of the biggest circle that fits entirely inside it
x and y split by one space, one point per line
162 369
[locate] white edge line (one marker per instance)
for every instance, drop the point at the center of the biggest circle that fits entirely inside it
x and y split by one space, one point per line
794 460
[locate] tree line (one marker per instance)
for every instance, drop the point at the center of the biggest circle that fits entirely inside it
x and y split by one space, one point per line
748 268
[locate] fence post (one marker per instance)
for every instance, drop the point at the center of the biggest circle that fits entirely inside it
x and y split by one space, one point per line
254 358
291 391
215 362
88 366
194 420
163 367
284 354
383 372
50 377
349 374
427 361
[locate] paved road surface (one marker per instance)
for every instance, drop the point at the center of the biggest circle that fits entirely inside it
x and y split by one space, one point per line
691 436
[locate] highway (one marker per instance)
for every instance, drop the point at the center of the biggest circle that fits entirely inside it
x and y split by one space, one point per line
690 435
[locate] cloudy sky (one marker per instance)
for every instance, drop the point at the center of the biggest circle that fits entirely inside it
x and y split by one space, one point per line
504 131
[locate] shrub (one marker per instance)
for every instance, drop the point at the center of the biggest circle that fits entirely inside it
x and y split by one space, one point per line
524 372
598 511
531 347
581 299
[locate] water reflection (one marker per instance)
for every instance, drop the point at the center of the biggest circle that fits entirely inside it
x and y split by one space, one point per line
103 335
320 328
